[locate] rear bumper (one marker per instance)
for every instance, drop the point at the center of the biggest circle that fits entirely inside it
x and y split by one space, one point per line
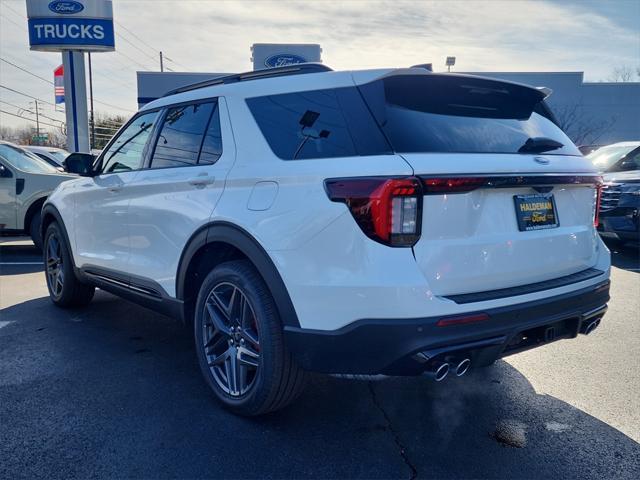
391 347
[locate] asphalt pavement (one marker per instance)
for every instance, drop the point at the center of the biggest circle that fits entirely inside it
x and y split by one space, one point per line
114 391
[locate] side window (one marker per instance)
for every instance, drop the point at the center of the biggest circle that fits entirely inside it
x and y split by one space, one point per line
181 135
303 125
125 153
212 144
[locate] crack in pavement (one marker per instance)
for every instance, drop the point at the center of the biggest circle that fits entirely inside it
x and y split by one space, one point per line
394 433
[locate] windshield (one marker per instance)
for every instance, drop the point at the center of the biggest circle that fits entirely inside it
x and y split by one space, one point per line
458 114
59 155
24 161
605 158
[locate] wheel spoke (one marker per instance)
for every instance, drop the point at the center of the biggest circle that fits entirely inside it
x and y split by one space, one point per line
250 337
231 372
214 343
236 306
248 357
214 312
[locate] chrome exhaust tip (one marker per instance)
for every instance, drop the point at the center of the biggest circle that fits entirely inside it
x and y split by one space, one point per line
438 371
591 327
463 367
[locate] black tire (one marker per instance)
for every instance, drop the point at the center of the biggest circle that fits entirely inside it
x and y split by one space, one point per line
275 380
34 230
65 290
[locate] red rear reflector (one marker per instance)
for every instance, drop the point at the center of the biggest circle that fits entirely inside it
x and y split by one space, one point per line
462 320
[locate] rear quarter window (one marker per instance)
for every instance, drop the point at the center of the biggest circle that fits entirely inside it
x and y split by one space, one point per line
317 124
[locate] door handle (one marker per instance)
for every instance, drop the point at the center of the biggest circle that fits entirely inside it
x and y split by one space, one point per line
114 189
202 181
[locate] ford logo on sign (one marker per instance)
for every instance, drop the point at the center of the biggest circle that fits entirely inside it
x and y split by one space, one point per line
282 59
68 7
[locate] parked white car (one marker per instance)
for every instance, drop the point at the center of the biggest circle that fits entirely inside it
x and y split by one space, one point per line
52 155
395 222
25 183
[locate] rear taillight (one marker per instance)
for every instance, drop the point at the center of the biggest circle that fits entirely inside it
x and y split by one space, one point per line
388 210
440 185
597 197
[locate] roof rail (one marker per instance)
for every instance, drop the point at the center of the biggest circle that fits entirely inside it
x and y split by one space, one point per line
297 69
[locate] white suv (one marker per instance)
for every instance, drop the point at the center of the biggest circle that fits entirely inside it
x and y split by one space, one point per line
395 222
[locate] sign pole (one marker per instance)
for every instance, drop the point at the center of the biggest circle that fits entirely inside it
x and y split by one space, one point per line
75 88
93 118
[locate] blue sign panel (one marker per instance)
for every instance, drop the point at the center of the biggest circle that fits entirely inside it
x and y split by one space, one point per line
282 59
76 32
68 7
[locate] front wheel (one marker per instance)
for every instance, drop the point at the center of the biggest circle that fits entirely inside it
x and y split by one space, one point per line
65 290
239 342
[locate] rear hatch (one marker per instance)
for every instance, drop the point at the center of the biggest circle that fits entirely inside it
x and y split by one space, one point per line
509 200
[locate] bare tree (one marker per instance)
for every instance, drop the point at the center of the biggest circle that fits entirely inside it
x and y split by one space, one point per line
624 74
582 129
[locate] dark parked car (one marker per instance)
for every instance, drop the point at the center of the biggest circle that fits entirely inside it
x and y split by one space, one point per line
620 198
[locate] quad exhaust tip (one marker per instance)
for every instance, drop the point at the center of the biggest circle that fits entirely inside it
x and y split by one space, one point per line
463 367
438 371
591 327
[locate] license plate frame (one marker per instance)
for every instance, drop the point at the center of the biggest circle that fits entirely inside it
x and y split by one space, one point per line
536 211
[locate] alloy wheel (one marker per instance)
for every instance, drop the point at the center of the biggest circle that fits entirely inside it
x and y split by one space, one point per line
55 265
230 339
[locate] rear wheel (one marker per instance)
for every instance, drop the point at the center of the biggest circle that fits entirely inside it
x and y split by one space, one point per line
240 344
65 290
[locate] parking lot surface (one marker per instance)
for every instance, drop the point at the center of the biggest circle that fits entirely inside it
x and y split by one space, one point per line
114 390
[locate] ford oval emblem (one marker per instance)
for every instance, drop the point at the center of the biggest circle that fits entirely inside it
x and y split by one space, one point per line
282 59
66 7
541 160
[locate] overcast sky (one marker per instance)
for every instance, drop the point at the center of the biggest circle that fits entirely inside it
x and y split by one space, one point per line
552 35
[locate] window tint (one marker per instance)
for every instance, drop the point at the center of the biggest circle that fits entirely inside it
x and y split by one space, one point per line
317 124
23 160
126 152
212 144
181 136
436 113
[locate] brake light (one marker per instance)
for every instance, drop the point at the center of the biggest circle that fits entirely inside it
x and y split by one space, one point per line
388 210
453 184
597 198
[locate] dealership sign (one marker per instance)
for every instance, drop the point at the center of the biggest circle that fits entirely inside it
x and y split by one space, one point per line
85 25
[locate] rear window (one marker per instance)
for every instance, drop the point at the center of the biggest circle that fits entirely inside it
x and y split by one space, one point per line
458 114
318 124
410 114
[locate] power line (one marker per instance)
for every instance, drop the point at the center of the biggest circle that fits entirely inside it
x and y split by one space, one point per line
26 71
136 37
121 37
26 95
30 119
31 111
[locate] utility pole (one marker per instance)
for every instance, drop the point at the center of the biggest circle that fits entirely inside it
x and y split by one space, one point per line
161 63
37 124
93 121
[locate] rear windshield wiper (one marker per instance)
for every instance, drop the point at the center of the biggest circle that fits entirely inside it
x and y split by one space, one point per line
539 145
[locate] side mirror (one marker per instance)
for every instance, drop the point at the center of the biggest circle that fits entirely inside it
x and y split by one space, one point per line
80 163
5 172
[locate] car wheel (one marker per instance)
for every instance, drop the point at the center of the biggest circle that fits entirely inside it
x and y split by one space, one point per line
65 290
240 344
34 230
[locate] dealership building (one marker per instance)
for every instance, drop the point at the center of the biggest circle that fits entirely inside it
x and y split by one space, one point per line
592 113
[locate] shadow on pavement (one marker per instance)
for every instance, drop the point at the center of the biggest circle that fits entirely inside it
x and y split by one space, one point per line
113 390
626 257
17 258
